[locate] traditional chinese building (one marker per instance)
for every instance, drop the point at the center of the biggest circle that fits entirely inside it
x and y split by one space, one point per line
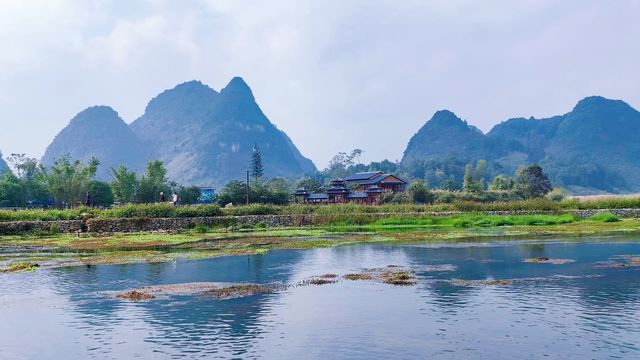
363 188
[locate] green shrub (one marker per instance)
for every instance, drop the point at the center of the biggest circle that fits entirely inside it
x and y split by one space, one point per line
556 195
201 229
604 217
261 225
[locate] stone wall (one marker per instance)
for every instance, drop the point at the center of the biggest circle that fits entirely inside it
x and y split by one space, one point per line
172 224
167 224
23 227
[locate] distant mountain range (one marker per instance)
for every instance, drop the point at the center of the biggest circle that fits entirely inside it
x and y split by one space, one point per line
204 137
592 149
99 132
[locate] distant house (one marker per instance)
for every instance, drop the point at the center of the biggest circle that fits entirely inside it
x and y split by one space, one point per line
362 188
207 195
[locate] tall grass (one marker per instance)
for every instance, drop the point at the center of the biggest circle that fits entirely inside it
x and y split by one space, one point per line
326 213
478 220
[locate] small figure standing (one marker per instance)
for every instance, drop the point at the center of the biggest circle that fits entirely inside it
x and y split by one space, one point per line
89 199
174 198
162 198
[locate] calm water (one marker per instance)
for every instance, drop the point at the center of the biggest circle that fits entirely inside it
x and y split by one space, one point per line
571 311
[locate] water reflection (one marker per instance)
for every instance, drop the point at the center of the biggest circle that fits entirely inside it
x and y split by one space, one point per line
573 310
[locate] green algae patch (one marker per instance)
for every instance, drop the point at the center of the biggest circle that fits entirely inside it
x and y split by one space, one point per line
21 266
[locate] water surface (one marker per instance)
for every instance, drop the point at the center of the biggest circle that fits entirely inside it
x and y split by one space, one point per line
577 310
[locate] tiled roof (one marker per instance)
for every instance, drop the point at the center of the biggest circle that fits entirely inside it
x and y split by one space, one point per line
362 175
378 179
357 195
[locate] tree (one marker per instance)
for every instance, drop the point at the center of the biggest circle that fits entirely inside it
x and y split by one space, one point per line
189 194
501 182
473 181
68 181
532 181
420 193
124 185
312 185
342 164
11 190
153 182
450 184
385 166
467 183
257 170
278 185
479 177
233 193
32 179
101 193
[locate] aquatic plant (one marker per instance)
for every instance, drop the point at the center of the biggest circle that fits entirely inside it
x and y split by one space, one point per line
358 277
546 260
21 266
135 296
238 290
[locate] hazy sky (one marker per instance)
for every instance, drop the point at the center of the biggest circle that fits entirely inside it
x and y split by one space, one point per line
334 75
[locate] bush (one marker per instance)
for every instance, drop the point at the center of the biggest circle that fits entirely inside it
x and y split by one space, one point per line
604 217
101 193
201 229
555 195
189 195
261 225
160 211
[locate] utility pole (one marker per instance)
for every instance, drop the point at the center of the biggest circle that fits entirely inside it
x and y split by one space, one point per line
247 187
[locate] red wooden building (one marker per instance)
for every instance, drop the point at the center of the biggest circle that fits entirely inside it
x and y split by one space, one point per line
363 188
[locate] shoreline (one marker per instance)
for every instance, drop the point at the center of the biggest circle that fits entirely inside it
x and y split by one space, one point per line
100 226
24 252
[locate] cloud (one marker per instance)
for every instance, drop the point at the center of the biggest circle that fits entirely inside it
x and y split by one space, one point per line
333 74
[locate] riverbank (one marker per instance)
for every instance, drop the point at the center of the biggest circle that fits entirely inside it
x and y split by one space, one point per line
30 252
151 218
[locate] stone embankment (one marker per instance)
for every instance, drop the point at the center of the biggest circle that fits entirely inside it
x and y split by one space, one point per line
172 224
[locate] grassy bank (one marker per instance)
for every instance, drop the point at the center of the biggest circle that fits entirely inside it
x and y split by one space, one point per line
67 249
164 210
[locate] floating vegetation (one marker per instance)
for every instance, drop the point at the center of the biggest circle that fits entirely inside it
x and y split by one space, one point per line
402 278
492 282
216 290
262 251
358 277
135 296
317 281
629 261
546 260
329 276
239 290
613 266
22 266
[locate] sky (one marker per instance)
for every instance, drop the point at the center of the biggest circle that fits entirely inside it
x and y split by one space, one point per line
333 74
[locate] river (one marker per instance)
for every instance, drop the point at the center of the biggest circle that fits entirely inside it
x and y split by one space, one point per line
584 305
